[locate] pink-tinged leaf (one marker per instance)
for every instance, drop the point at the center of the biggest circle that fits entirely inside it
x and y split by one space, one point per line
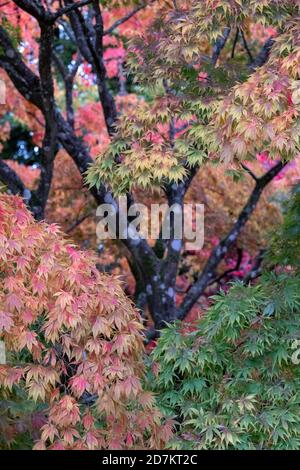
69 434
79 385
63 299
202 77
88 421
22 263
58 445
13 301
13 376
6 321
91 441
28 339
40 445
49 432
129 440
39 286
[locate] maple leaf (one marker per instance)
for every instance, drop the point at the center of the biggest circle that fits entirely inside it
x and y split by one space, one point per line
88 421
13 376
13 301
6 321
38 286
64 299
27 339
129 439
49 431
131 385
91 441
36 391
69 434
39 445
79 384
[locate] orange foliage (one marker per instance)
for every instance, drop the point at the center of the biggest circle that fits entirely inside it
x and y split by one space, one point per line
57 308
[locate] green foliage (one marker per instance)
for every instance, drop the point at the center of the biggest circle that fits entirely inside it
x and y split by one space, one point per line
234 381
19 146
14 33
20 420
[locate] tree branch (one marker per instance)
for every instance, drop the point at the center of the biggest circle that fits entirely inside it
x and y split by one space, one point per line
264 54
235 42
67 9
229 271
219 45
220 251
125 18
250 172
49 147
68 79
256 270
77 222
10 178
247 47
93 53
34 8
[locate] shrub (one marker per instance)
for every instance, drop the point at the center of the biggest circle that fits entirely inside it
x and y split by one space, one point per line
71 336
234 382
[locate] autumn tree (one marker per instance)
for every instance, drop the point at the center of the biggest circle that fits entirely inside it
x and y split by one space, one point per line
213 93
73 341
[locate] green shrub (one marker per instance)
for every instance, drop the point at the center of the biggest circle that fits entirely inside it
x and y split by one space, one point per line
234 382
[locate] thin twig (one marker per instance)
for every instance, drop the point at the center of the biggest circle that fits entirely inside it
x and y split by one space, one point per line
125 18
235 42
232 270
250 172
247 47
69 8
77 222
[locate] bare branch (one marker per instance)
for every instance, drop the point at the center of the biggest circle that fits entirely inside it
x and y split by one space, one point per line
10 178
60 66
91 47
232 270
125 18
235 42
250 172
68 77
247 47
67 9
49 148
77 222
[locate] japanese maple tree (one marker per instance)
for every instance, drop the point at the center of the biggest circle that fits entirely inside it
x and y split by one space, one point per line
73 341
